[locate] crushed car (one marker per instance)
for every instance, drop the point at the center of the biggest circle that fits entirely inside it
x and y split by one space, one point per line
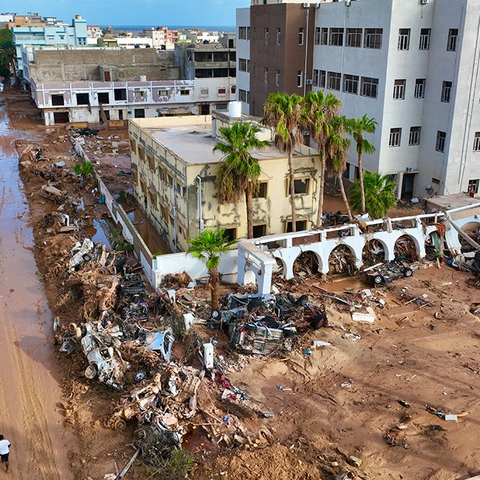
384 273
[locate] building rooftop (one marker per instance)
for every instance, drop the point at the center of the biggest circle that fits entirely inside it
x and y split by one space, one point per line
194 144
450 202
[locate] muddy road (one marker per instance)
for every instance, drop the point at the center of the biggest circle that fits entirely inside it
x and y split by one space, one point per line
30 379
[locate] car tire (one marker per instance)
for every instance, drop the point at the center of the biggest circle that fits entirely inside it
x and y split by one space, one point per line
377 279
408 272
91 371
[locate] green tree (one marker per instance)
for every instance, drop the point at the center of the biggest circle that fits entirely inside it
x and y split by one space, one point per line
8 54
336 147
208 246
239 171
357 127
317 114
379 194
84 169
282 112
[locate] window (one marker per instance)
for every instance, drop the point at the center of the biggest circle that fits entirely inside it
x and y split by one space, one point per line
354 37
452 40
139 113
279 35
221 106
230 234
350 84
301 35
164 93
336 37
403 39
414 138
300 224
259 230
324 36
265 35
233 89
204 92
317 35
373 38
322 78
133 146
261 192
244 33
419 88
446 90
476 142
151 162
440 143
222 91
301 186
334 80
277 77
242 95
135 177
369 87
139 94
57 100
120 94
473 185
399 89
436 180
103 97
141 153
395 137
82 99
315 78
265 74
299 78
242 64
424 39
184 92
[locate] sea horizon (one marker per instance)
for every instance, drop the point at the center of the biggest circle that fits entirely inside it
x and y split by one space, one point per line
139 28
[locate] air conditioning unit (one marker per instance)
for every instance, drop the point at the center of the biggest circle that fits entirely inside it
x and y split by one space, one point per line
409 169
423 2
305 5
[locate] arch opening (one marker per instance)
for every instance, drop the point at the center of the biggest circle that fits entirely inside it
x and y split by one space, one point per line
373 252
405 249
342 260
472 229
307 264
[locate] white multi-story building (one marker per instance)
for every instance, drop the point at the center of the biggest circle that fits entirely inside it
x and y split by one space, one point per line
413 66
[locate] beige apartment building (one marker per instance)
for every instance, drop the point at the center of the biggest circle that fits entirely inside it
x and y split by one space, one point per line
174 180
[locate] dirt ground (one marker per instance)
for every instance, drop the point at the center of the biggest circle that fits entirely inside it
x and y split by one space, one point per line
341 400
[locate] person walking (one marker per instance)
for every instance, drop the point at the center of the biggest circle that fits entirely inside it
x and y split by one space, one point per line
4 451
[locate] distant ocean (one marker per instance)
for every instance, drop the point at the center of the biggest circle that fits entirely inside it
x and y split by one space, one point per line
139 28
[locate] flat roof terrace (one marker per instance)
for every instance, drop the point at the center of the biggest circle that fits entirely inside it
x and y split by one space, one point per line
194 144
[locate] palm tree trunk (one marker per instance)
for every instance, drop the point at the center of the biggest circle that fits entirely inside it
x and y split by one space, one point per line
360 172
344 196
292 192
248 202
214 281
321 187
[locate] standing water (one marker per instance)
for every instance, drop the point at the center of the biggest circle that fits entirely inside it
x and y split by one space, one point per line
29 376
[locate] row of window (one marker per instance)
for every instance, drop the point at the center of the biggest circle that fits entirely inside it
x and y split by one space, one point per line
395 139
400 86
372 38
365 86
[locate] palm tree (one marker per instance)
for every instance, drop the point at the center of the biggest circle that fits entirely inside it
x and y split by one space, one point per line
8 57
239 171
379 194
336 147
318 111
208 246
282 112
356 127
84 169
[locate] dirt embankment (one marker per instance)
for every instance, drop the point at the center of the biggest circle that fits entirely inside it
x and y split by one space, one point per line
348 399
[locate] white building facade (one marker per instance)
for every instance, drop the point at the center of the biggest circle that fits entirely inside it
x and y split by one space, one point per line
413 66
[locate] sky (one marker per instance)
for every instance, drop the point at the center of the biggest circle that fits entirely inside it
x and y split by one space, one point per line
127 12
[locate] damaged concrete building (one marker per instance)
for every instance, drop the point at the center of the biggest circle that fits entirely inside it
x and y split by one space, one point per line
100 85
174 178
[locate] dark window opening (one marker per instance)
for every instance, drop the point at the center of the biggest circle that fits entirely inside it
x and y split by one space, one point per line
139 113
259 230
230 234
57 100
82 99
301 225
103 97
120 94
